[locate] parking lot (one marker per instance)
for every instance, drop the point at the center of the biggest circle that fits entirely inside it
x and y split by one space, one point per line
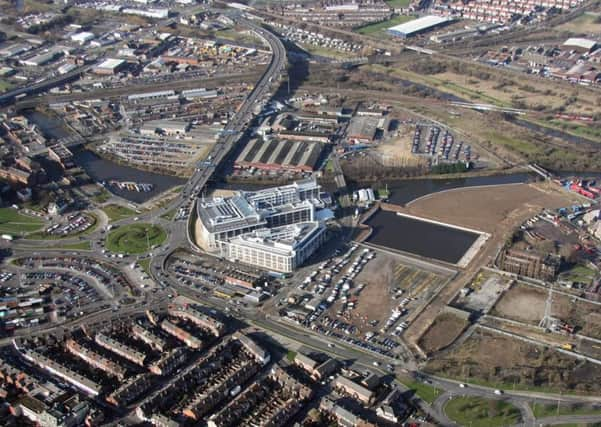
110 281
71 225
221 279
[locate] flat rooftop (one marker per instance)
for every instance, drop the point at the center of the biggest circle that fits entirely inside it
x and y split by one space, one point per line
419 24
279 240
220 214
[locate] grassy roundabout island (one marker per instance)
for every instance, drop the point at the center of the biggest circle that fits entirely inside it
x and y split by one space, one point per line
478 411
135 238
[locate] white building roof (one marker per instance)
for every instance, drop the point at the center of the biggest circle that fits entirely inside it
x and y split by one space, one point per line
111 63
284 240
580 42
84 36
419 24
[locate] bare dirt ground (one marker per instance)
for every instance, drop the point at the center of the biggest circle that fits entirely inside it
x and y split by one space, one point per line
527 304
583 24
375 301
484 208
396 149
523 303
380 276
584 315
497 210
445 329
504 361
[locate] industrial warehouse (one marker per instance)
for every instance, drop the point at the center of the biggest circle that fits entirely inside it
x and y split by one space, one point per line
274 155
275 229
419 26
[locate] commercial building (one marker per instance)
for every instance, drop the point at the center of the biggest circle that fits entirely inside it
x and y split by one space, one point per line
15 175
362 129
110 66
62 155
83 37
165 127
280 155
419 26
259 353
279 248
581 45
64 411
221 219
274 229
147 12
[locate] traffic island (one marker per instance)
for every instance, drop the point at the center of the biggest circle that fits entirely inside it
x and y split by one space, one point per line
135 238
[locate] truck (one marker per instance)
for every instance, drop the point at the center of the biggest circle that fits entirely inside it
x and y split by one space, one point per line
7 237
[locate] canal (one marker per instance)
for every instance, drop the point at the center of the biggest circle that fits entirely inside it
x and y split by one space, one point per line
421 238
404 191
100 170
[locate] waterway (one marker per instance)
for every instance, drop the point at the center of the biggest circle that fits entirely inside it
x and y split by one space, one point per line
421 238
404 191
100 169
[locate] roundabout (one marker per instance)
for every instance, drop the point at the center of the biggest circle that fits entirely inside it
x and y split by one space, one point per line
136 238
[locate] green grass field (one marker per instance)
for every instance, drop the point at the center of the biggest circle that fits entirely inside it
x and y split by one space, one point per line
579 273
542 411
424 391
397 4
117 212
12 222
102 196
145 265
381 27
79 246
480 412
135 238
4 85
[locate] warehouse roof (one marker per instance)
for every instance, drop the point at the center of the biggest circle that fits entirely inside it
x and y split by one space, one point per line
419 24
111 63
581 43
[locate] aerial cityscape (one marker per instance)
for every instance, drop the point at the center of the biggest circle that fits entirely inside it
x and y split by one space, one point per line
300 213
